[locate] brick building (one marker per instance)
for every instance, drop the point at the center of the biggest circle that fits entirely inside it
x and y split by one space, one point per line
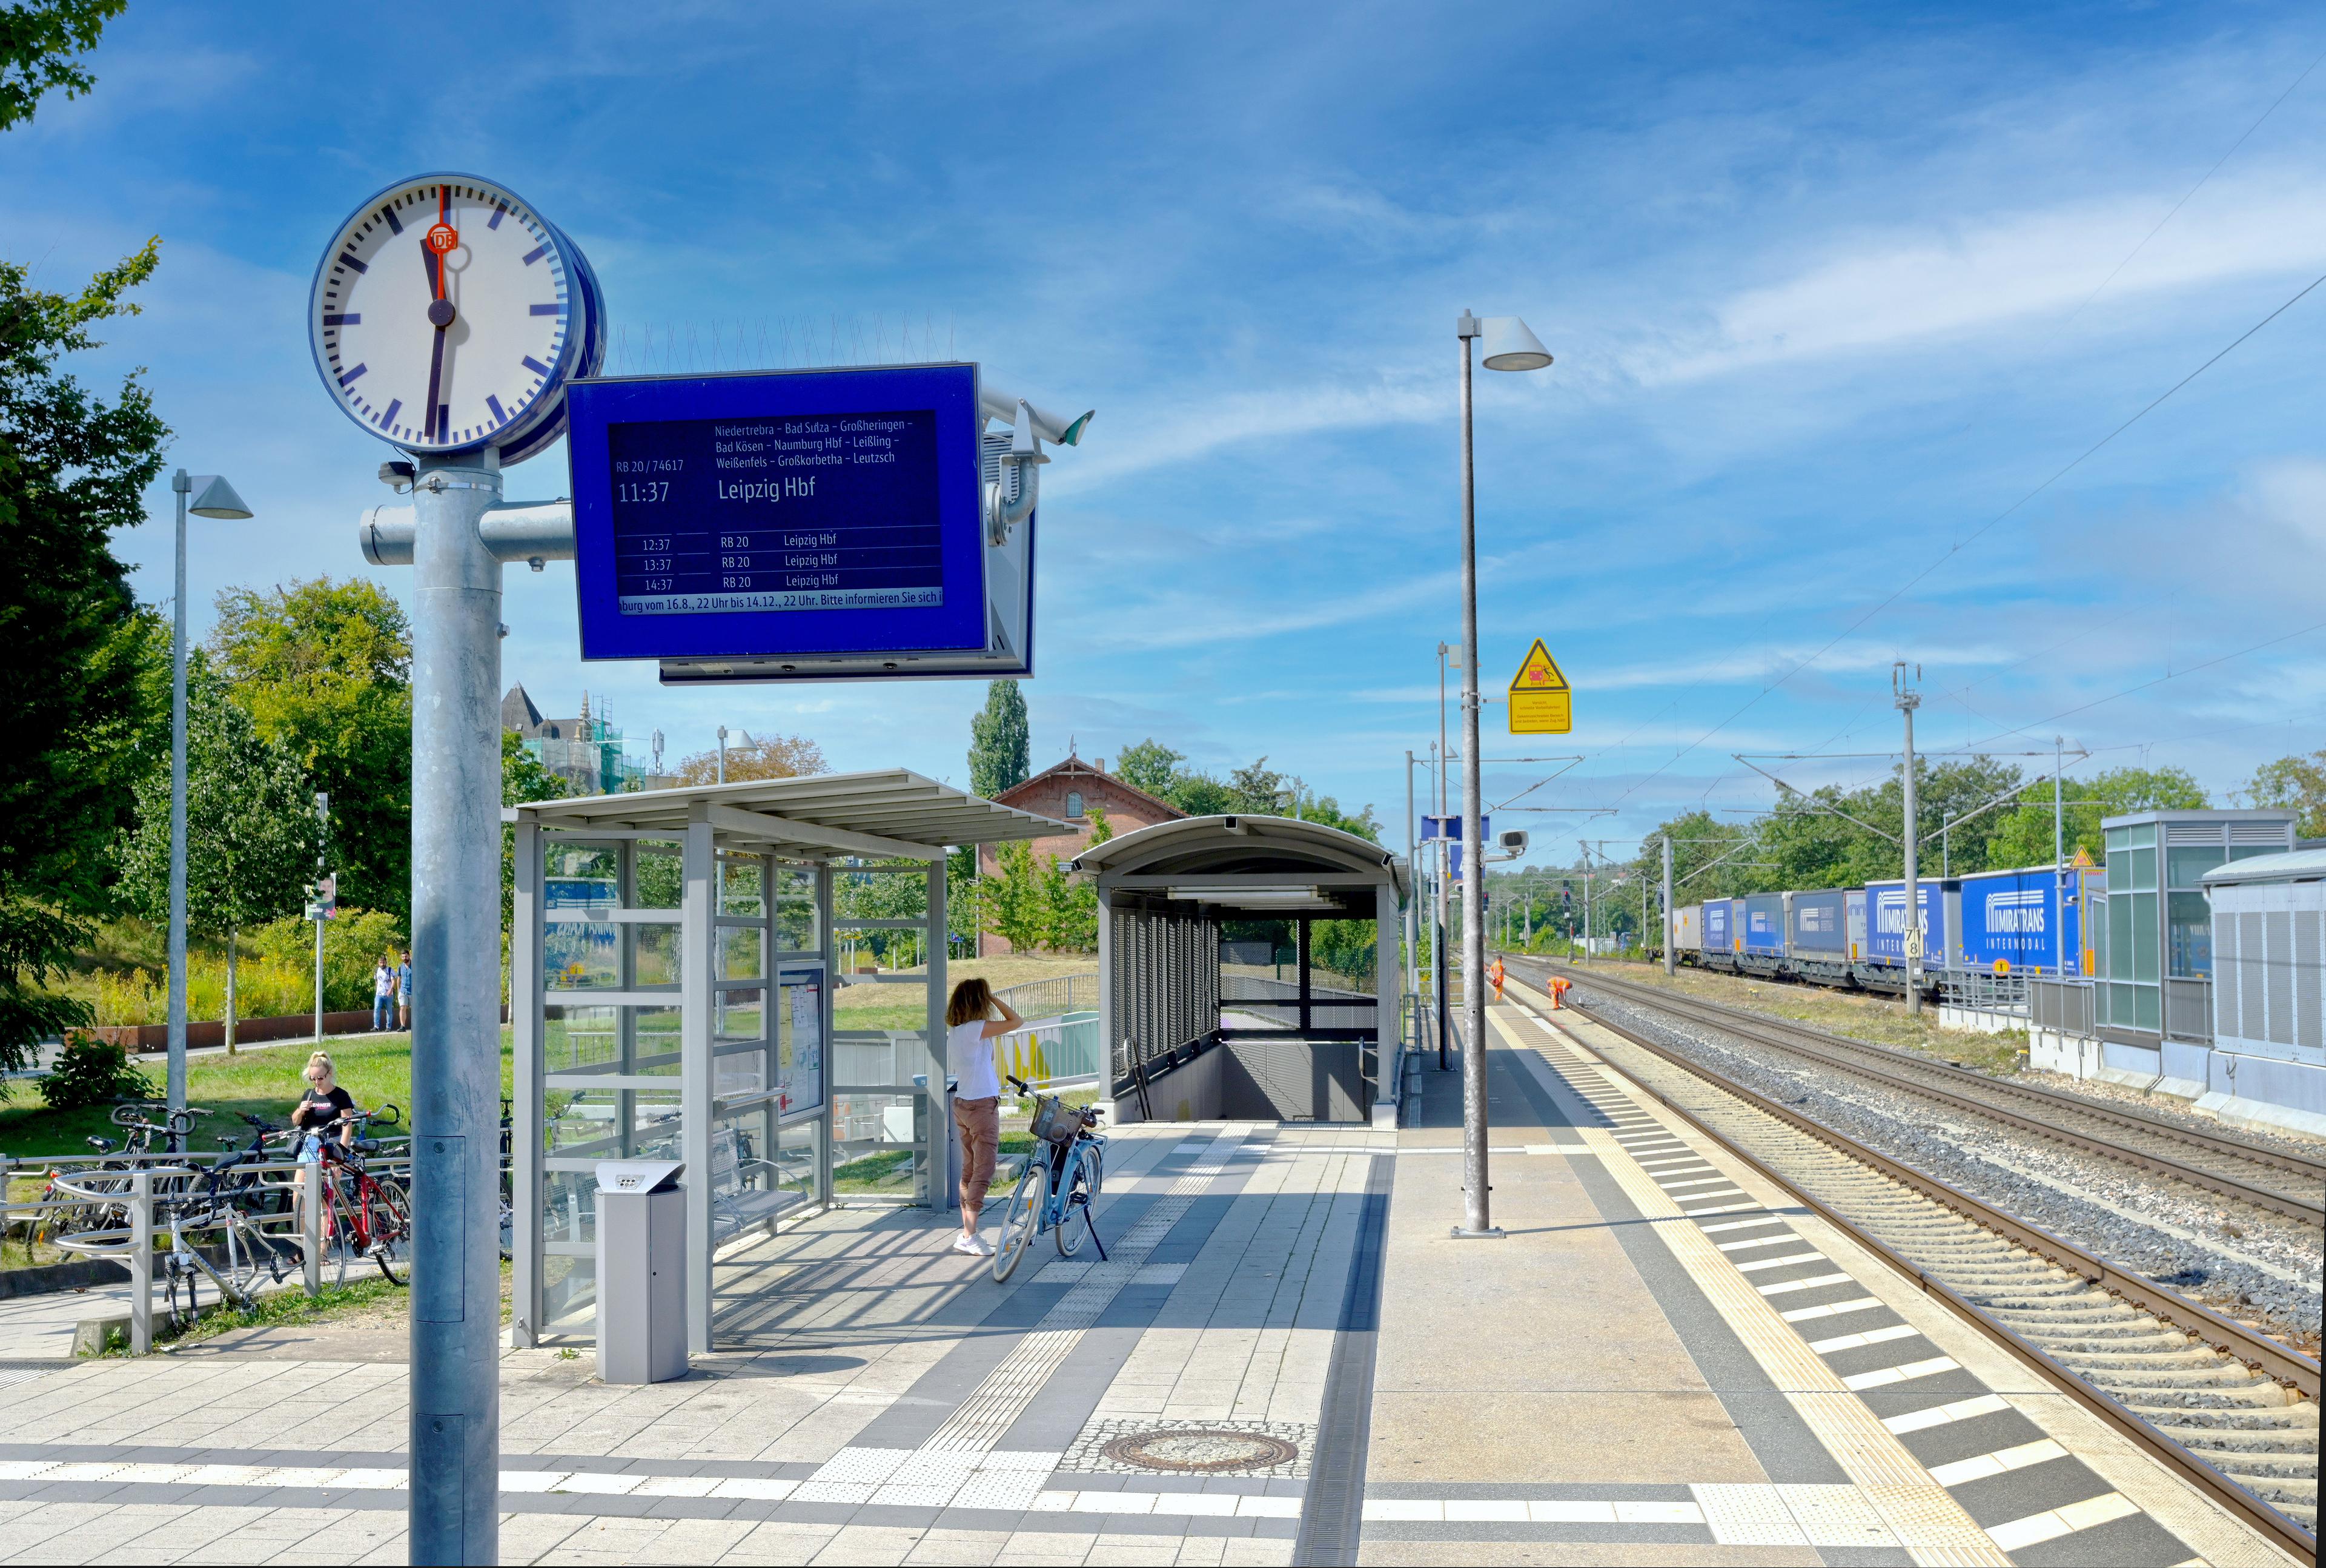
1070 792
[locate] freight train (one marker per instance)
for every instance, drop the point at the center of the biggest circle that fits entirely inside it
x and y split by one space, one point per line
2000 923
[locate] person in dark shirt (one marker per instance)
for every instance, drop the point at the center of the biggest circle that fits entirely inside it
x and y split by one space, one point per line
324 1103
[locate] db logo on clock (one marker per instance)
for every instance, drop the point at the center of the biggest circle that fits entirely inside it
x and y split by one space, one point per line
444 238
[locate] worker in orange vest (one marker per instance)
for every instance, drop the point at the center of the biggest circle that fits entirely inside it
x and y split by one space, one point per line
1559 984
1495 975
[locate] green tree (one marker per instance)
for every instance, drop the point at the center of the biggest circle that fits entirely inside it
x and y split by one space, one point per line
523 780
325 669
1010 901
1260 790
998 738
41 44
2297 784
1149 765
75 692
1199 795
1069 909
250 829
2024 838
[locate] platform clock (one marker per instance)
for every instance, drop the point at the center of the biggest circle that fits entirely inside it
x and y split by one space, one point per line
447 317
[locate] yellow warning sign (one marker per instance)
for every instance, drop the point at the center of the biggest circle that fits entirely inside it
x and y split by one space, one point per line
1541 701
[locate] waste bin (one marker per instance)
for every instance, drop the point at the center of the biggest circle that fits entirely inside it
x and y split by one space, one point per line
641 1271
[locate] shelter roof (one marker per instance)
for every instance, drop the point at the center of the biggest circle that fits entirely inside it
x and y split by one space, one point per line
1261 849
894 812
2293 866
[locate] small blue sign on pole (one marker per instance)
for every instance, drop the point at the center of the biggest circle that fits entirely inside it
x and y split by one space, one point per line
1450 828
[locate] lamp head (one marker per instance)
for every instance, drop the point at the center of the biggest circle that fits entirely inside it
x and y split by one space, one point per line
213 496
1511 347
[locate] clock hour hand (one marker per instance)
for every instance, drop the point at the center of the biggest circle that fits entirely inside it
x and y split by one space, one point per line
435 383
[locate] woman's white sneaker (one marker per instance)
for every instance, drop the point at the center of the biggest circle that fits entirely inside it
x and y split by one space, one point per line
973 1246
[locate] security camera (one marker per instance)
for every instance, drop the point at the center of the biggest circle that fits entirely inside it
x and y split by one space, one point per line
1512 841
1065 431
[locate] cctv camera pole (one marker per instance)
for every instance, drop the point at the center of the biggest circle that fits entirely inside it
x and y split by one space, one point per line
183 486
1444 857
456 1028
1476 1211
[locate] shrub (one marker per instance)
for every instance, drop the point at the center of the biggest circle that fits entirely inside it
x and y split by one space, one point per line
91 1071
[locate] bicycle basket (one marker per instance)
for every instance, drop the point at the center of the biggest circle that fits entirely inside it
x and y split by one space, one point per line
1055 1121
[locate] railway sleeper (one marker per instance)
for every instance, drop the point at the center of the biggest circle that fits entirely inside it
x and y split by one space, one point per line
2278 1467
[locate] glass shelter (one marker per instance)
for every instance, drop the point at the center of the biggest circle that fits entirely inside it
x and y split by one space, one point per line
674 959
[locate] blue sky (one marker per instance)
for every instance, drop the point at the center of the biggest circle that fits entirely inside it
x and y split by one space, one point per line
1830 294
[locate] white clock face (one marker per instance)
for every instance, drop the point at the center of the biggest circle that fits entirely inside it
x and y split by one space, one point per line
446 315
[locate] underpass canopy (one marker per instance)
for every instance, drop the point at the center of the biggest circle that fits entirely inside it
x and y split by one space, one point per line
1174 982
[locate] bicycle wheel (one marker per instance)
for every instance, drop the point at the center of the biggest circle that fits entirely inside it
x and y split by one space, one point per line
341 1236
387 1223
1021 1221
1075 1182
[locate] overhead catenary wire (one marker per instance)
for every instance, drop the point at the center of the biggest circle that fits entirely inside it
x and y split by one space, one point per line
1974 534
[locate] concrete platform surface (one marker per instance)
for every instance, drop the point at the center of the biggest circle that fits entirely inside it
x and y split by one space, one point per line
1287 1358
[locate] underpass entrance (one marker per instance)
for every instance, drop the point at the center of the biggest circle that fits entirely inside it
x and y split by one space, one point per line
1247 969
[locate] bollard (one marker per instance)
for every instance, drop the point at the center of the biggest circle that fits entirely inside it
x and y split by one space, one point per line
310 1223
141 1262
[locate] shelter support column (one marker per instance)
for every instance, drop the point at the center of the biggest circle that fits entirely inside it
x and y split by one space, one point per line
526 1026
944 1155
1389 1059
697 933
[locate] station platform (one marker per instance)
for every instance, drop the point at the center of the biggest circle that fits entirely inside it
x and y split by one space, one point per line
1287 1359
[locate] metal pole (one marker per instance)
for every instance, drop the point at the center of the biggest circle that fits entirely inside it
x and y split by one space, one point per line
1444 871
183 486
722 753
1441 981
1413 896
456 1033
310 1224
141 1251
1946 846
2060 859
1671 938
1477 1217
323 820
1910 932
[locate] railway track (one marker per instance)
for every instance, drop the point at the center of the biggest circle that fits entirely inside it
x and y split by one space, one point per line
2285 1185
2223 1404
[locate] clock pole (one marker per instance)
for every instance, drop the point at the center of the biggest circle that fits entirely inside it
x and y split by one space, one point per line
456 1031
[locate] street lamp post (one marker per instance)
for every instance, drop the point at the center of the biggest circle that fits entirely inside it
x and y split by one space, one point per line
1509 347
205 496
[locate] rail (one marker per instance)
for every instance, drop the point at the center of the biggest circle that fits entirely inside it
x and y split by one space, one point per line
2263 1355
1057 994
1897 1070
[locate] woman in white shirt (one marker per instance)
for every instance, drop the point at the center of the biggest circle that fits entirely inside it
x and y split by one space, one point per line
973 1018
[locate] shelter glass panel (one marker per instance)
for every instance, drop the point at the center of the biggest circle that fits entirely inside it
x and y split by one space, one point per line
2139 871
2145 950
2189 931
742 952
658 878
742 1013
742 884
798 927
2185 867
659 956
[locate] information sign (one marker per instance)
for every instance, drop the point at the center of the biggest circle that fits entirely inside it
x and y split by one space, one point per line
1541 701
800 513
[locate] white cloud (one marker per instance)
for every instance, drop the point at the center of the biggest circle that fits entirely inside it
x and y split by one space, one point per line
1939 281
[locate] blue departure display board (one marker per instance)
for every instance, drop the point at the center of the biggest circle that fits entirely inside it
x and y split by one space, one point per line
800 513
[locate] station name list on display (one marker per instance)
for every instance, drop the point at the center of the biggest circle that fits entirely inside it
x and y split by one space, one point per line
814 513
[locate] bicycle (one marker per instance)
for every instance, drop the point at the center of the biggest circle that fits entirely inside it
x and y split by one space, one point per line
94 1211
364 1215
227 1189
1060 1178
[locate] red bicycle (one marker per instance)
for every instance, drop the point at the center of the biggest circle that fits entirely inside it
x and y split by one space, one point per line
364 1215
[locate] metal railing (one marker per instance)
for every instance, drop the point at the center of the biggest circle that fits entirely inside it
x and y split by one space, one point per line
2065 1005
143 1188
1059 994
1054 1053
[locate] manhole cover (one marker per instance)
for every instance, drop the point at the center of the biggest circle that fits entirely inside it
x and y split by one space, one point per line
1204 1452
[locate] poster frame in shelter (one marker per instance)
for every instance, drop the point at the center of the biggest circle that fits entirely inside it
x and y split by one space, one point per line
801 1042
